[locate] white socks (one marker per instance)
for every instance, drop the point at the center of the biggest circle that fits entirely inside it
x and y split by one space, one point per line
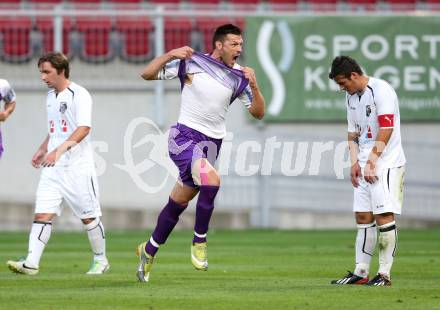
387 247
40 234
38 238
365 244
95 231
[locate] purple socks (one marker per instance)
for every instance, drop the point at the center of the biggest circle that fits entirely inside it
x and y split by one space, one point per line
204 208
169 217
166 222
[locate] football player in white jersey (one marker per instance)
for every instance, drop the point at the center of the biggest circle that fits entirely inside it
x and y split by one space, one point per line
7 95
68 171
209 84
377 170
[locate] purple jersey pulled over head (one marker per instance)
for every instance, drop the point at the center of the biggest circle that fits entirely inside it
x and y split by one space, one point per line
186 145
228 77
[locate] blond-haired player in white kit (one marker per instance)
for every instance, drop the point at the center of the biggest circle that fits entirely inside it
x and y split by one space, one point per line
377 170
68 167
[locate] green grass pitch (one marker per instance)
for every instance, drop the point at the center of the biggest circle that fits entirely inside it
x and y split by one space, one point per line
251 269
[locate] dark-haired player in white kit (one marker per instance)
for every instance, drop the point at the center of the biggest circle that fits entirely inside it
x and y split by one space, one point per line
68 167
377 170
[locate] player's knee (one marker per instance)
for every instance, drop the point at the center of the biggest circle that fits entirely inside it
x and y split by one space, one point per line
181 200
364 217
384 218
87 221
44 217
182 194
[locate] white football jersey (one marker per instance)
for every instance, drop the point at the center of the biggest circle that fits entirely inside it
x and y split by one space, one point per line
205 101
377 107
7 94
67 111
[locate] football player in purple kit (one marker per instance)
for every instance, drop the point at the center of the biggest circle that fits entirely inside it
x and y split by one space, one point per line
209 84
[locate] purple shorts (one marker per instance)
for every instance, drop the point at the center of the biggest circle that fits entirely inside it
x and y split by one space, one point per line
1 144
186 145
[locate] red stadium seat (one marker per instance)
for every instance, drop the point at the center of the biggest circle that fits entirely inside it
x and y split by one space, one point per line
135 33
15 45
177 33
95 39
45 26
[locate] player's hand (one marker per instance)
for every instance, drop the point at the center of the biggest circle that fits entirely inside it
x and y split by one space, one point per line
184 52
355 174
249 73
3 116
370 172
50 159
38 157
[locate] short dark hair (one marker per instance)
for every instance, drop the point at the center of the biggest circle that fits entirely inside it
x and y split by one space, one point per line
344 65
222 31
58 60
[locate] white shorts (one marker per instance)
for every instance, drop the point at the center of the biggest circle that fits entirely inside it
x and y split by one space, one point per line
384 196
78 186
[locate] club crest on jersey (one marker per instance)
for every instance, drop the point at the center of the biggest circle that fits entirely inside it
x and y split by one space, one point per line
368 110
369 134
63 107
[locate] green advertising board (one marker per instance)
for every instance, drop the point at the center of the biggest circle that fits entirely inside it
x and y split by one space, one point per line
292 58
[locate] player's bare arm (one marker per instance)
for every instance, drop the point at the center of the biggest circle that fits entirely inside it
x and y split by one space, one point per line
258 103
151 71
38 157
9 108
76 137
353 147
383 136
